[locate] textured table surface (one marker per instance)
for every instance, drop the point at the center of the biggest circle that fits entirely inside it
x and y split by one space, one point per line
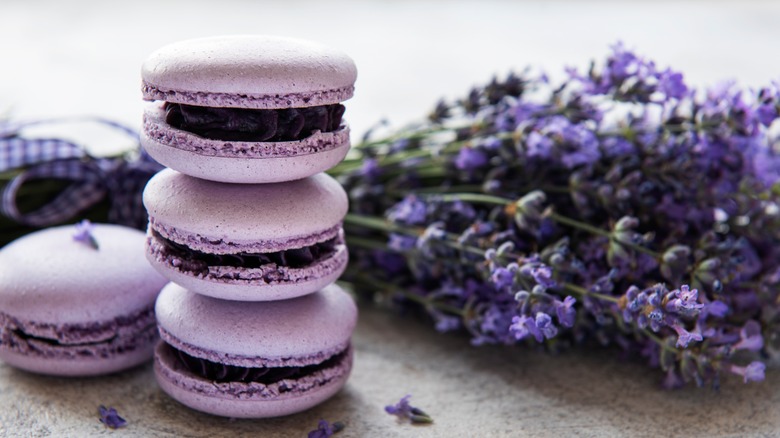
470 392
83 58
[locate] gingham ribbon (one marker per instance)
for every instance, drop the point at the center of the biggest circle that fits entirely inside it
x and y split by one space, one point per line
90 179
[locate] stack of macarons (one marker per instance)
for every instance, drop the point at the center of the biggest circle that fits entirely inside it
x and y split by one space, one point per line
245 224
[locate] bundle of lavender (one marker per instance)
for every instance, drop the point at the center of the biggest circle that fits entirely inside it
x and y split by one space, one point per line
619 207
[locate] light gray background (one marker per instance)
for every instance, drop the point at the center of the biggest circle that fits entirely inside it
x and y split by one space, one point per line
83 58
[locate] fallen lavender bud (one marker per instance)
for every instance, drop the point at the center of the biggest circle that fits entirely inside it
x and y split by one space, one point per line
404 411
326 430
111 418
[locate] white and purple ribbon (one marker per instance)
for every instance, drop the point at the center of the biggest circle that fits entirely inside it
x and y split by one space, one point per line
87 179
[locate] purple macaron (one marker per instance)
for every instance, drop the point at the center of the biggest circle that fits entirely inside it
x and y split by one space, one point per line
253 360
248 242
247 108
77 302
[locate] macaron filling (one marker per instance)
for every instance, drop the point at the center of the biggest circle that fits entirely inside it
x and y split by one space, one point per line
257 125
100 339
195 261
219 372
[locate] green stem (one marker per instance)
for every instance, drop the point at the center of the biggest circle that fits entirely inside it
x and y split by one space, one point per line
391 289
579 225
475 197
380 224
422 133
579 290
362 242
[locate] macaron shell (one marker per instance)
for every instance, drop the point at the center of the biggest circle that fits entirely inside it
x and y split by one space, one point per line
227 71
230 283
247 400
248 170
239 217
91 365
49 277
289 332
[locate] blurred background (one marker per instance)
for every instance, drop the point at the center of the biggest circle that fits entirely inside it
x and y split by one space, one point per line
83 57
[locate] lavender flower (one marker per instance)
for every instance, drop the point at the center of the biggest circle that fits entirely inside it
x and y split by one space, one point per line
404 411
326 430
470 159
619 207
753 372
83 234
565 311
750 337
111 418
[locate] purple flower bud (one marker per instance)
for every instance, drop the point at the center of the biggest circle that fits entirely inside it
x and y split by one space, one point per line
111 418
717 309
685 337
370 169
565 311
502 278
538 145
491 143
404 411
446 323
671 84
326 430
545 325
409 211
754 372
402 408
543 276
750 337
83 234
686 304
401 242
470 159
523 326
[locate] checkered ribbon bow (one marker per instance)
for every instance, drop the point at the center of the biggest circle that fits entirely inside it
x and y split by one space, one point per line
86 179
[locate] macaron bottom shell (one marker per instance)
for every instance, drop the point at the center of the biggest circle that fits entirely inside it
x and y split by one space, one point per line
78 366
247 400
231 283
242 167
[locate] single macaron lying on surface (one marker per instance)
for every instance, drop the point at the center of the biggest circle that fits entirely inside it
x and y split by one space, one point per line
253 360
247 108
250 242
77 301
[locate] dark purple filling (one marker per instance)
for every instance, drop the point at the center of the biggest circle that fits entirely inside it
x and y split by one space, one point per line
228 373
19 334
293 258
241 124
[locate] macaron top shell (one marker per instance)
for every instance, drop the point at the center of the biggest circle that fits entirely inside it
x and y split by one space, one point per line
229 218
47 276
248 71
274 333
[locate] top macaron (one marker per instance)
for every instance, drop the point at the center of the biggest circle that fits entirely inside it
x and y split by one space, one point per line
247 108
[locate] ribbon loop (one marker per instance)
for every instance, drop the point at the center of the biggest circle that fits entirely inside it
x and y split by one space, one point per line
87 180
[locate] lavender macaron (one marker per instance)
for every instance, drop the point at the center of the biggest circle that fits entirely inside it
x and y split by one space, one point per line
247 108
77 302
253 360
247 242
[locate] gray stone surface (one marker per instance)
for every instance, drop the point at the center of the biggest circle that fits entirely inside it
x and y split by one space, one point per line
470 392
